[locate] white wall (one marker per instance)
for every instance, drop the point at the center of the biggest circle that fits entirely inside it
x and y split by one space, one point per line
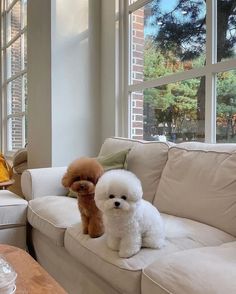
108 70
64 80
39 83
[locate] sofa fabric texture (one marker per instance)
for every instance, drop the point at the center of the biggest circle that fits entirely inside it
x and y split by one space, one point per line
210 266
41 182
52 215
107 264
195 181
145 159
192 184
13 218
19 161
13 210
14 236
75 277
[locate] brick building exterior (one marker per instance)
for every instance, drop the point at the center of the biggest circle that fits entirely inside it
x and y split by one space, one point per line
137 75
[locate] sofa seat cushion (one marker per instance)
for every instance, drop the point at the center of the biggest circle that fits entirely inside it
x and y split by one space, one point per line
51 215
181 234
145 159
209 270
13 210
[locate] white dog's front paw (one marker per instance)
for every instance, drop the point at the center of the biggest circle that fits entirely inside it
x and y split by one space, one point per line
128 252
161 243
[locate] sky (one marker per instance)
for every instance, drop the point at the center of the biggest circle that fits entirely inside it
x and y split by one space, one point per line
166 6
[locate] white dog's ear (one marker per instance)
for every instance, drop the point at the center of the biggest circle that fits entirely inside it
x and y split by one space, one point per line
100 189
138 191
100 195
133 185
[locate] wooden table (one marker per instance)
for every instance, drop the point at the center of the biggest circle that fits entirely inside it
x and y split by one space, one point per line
31 277
4 185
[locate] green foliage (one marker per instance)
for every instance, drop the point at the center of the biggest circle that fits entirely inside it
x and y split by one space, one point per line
226 106
176 103
181 28
179 37
154 62
226 86
173 102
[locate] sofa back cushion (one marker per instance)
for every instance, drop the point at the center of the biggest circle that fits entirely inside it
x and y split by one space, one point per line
145 159
199 182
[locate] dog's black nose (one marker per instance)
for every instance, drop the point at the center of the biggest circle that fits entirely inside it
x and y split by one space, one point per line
82 186
117 203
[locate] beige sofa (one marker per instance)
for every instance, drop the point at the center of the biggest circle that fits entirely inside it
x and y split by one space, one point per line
13 219
194 187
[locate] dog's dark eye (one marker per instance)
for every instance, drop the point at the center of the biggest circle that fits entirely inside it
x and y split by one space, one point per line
90 179
77 179
111 196
123 197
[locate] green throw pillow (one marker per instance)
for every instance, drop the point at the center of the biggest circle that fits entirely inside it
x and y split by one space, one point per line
114 160
110 161
72 194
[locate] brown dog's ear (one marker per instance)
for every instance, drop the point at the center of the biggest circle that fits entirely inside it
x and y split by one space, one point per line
66 181
99 173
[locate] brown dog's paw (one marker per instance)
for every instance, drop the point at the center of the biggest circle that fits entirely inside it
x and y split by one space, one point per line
85 231
95 230
95 234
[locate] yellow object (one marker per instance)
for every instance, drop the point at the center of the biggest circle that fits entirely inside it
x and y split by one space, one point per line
5 169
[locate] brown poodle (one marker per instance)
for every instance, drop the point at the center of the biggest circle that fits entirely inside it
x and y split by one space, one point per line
82 176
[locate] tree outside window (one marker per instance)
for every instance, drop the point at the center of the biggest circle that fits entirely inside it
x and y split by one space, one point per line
175 47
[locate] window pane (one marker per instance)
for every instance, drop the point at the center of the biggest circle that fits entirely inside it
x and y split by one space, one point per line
2 32
24 13
14 58
2 6
24 55
166 37
25 106
132 1
14 96
15 134
226 29
226 107
25 94
14 21
173 112
26 130
8 2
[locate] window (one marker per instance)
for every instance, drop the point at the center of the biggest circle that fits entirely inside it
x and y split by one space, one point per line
14 74
182 69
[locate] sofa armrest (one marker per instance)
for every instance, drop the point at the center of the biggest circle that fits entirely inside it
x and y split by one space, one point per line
43 182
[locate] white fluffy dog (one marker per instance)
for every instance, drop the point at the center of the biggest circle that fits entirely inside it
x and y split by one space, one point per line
130 222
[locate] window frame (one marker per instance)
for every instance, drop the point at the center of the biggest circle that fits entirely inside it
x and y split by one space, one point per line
6 81
209 70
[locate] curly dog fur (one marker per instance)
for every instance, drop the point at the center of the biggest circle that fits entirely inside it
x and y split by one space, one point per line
82 176
130 221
